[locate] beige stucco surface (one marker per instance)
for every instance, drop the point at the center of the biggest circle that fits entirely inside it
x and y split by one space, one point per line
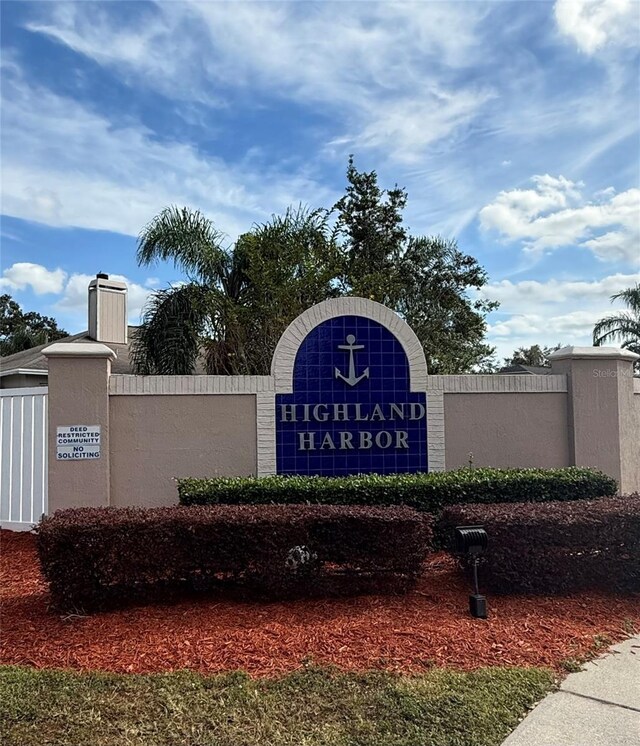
20 380
602 417
156 438
631 446
78 395
595 414
153 429
507 430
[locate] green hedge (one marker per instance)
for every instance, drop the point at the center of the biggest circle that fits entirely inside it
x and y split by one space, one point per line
426 492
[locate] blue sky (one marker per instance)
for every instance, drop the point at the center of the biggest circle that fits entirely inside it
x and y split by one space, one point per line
514 126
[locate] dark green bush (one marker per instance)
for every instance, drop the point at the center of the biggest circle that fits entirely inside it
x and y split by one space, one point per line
96 557
556 547
425 492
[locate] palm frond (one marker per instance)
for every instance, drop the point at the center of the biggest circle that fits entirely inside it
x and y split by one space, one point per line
617 327
168 341
225 353
631 297
633 345
623 327
189 239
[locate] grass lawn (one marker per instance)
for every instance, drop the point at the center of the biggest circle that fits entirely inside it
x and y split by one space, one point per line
310 707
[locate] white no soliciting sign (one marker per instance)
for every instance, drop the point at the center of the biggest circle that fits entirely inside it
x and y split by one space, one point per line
77 442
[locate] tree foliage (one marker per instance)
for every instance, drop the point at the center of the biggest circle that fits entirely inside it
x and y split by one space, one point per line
426 279
20 330
240 298
622 327
372 237
535 355
290 264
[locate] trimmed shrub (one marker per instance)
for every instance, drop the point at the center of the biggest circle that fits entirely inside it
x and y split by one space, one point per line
425 492
95 557
556 547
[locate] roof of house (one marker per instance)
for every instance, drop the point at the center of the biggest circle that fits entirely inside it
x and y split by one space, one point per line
518 369
32 361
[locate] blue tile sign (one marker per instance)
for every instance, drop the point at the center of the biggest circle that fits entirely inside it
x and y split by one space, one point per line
351 410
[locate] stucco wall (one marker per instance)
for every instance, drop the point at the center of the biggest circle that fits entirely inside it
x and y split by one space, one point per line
507 430
20 380
631 452
155 438
78 395
154 428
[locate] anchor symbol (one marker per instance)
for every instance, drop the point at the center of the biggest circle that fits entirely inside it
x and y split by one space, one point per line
351 379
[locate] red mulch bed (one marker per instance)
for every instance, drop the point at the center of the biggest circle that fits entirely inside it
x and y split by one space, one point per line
427 627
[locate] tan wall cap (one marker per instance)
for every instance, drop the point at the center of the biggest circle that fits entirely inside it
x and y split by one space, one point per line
23 372
595 353
79 349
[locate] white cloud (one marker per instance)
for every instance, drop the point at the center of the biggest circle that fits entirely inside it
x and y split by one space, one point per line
94 33
528 295
555 214
72 290
550 312
328 52
114 177
535 327
546 330
73 302
413 83
409 125
41 280
526 330
373 64
594 24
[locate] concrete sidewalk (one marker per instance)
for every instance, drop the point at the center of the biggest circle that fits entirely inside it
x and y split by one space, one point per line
599 706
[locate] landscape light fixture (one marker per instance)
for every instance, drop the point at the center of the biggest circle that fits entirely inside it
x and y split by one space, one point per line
472 541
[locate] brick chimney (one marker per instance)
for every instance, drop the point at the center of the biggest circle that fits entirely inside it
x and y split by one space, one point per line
107 310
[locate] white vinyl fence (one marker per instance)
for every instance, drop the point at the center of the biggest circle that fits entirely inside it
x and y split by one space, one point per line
23 457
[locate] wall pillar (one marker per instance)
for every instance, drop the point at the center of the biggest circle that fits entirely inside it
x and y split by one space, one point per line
79 395
601 410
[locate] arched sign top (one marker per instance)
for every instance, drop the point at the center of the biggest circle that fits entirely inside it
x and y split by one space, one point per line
350 392
284 357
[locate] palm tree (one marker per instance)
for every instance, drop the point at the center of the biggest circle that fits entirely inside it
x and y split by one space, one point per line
237 300
22 339
622 327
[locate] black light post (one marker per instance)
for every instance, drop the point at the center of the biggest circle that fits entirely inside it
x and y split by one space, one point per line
472 541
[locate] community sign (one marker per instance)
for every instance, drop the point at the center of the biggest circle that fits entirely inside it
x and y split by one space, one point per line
351 410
